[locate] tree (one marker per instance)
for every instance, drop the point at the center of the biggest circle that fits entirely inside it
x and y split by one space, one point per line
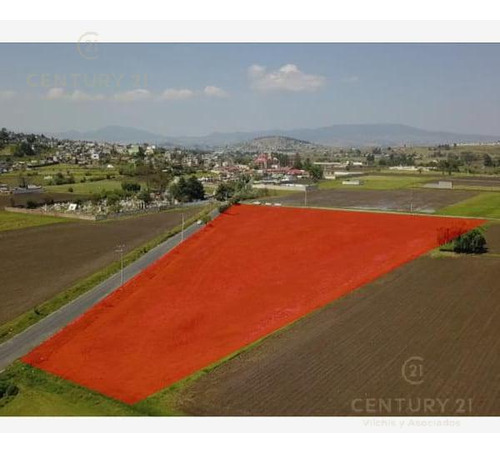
297 162
449 165
4 135
145 196
128 186
468 159
23 149
187 190
196 191
488 161
178 190
160 179
224 191
316 172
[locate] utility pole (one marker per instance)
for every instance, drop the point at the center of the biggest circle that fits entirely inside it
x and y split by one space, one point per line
182 228
120 249
411 199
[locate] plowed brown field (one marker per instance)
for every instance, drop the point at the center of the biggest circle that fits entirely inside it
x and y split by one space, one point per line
423 340
37 263
418 200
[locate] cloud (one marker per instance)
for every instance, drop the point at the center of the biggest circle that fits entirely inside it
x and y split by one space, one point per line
287 78
140 94
77 96
7 94
132 95
172 94
215 92
55 93
351 79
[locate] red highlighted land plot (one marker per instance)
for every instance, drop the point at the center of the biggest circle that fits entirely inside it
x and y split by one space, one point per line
251 271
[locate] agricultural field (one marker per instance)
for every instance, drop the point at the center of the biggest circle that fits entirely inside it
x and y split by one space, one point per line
89 187
42 175
492 233
60 255
349 358
417 200
484 204
88 180
17 221
380 182
20 200
234 282
475 183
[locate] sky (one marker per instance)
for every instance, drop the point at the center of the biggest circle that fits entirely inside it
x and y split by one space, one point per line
197 89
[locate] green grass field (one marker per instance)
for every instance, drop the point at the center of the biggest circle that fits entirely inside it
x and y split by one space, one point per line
379 182
483 205
41 393
16 221
87 188
38 176
7 150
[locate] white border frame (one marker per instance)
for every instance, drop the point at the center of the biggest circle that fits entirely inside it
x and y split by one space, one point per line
252 31
262 32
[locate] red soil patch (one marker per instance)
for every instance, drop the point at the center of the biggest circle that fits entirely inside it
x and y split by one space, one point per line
248 273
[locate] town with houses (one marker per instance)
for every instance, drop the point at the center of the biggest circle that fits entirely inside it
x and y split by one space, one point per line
141 176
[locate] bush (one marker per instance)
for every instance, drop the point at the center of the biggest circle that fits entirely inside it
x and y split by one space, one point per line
224 207
145 196
471 242
8 389
70 189
205 219
30 204
131 186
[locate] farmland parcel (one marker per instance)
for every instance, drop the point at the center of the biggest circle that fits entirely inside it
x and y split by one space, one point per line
250 272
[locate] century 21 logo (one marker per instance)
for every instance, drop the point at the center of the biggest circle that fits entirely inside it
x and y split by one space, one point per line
87 45
412 370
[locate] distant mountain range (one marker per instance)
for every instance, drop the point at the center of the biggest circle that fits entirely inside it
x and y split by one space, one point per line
116 134
336 135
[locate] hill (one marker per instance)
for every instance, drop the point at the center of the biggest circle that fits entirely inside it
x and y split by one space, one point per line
275 143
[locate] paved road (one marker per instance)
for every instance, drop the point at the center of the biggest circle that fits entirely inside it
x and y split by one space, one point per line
24 342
